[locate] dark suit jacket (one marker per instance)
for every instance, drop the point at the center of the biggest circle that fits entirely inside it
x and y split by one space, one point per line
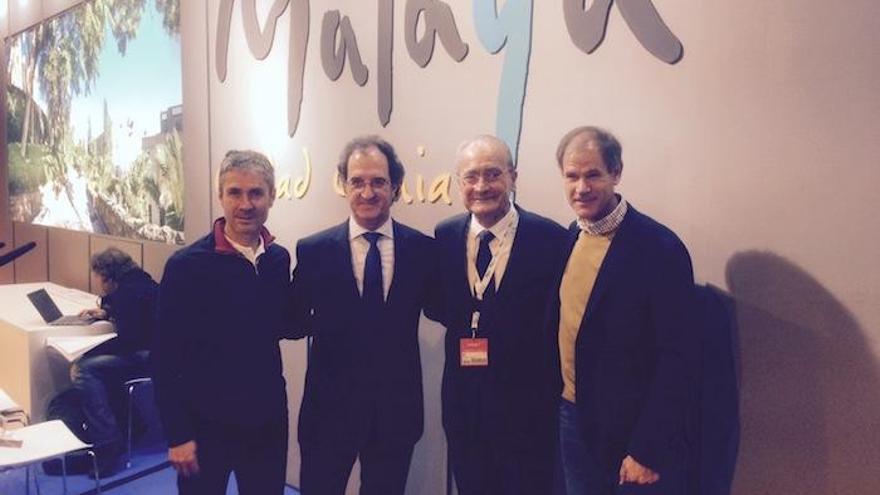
715 425
636 350
512 402
364 367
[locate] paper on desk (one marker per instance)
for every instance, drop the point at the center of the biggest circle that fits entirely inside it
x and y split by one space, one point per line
12 443
10 414
75 346
7 405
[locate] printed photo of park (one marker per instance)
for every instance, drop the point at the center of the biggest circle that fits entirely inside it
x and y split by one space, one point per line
94 119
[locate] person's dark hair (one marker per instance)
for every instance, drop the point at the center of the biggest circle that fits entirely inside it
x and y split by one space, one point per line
609 146
395 166
112 264
252 161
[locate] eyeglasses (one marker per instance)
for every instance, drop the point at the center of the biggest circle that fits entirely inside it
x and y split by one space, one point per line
489 176
376 183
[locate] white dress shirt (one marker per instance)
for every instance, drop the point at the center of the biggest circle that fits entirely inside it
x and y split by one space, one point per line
359 247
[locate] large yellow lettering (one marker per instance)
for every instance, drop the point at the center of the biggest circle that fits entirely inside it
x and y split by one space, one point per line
440 189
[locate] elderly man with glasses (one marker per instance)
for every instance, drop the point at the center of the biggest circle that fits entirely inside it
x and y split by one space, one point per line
497 264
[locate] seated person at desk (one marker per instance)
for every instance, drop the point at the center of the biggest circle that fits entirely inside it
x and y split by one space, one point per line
129 300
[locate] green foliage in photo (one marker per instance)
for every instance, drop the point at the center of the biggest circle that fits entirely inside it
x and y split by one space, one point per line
26 174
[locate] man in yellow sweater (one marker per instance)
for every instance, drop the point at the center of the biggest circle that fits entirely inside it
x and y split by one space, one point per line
626 343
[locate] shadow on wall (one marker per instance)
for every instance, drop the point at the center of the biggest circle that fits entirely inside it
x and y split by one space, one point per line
810 385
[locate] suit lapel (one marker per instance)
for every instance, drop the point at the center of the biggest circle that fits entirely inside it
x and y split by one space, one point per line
513 272
459 259
342 260
402 260
617 257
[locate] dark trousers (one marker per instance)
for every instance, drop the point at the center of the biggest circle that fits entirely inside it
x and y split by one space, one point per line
257 454
586 475
326 468
99 379
482 467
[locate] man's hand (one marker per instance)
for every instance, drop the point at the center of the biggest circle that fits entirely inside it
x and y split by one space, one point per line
633 472
183 458
95 313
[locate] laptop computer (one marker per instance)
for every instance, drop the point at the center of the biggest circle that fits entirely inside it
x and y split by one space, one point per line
50 312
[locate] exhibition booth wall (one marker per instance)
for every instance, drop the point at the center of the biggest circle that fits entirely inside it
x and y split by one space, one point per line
749 128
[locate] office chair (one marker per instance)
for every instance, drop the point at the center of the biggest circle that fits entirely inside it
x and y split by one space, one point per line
130 387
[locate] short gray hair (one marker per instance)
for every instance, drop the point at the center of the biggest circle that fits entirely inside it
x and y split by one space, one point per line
247 160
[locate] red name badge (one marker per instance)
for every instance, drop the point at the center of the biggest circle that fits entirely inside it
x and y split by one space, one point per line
474 352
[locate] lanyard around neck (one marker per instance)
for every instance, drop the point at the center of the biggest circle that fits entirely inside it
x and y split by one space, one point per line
483 283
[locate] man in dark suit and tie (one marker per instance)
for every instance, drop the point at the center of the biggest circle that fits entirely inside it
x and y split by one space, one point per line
626 341
499 401
359 289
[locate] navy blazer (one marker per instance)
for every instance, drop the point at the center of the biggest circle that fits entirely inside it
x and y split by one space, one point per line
636 349
512 402
364 367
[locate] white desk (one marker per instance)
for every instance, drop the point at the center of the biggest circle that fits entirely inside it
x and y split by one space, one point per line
30 374
41 441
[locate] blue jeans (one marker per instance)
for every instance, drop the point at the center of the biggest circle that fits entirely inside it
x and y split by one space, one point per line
99 379
586 475
582 471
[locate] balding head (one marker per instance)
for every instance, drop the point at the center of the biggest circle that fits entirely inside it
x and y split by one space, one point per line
486 178
485 145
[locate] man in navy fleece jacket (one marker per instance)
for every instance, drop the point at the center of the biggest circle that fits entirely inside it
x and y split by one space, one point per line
218 375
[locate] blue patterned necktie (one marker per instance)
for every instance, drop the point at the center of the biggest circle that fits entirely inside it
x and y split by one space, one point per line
373 290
